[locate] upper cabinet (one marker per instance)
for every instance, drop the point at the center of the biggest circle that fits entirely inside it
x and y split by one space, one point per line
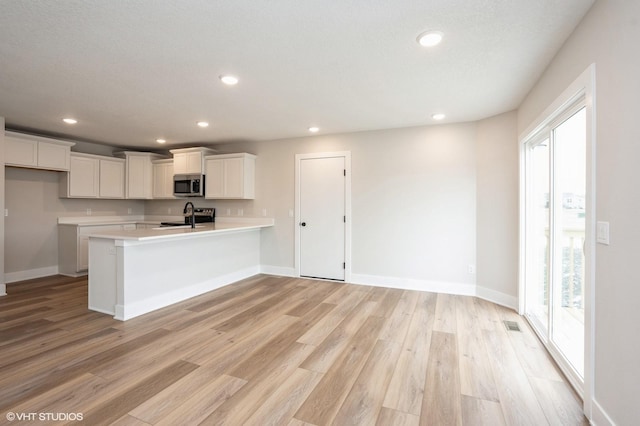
162 179
93 176
112 177
230 176
36 152
190 161
139 175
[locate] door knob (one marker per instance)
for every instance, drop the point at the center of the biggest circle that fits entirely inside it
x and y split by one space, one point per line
303 224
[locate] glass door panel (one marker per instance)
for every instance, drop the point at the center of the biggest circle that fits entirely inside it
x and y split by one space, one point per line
569 182
537 206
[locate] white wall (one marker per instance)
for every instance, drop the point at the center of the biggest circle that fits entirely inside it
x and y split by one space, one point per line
608 36
414 200
497 208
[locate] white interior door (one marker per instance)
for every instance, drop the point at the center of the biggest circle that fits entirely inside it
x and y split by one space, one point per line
322 217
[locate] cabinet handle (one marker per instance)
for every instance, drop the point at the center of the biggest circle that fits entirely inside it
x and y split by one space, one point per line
303 224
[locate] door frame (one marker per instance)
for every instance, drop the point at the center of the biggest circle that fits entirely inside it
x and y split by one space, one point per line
347 207
581 87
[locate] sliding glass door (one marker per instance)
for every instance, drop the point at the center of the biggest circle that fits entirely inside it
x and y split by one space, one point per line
555 194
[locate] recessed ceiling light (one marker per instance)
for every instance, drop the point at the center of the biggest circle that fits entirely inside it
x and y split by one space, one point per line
202 124
438 116
314 129
229 80
161 140
70 120
430 38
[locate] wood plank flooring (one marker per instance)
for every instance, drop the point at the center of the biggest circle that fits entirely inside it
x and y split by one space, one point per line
277 351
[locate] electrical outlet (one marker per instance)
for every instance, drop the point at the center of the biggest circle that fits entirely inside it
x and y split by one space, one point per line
129 210
240 212
264 212
88 212
290 212
111 251
228 212
169 210
472 269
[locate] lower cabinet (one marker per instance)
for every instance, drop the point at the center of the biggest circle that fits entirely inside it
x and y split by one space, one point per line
73 246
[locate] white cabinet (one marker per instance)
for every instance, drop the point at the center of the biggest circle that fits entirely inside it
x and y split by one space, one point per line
111 178
230 176
36 152
93 176
83 178
73 246
20 152
162 179
139 176
190 160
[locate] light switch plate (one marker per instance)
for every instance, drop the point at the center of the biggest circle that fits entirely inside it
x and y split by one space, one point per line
602 232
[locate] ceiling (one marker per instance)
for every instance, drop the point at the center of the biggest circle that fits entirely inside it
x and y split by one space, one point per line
134 71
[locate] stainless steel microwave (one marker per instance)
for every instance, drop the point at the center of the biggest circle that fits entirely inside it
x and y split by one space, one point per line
188 185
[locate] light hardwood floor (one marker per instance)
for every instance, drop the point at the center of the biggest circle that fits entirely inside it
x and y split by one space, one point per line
277 351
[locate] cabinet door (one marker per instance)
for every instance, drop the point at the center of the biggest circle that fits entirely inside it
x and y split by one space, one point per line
180 163
84 177
139 183
158 180
214 175
111 179
83 253
187 163
194 162
168 180
163 180
234 177
53 156
19 152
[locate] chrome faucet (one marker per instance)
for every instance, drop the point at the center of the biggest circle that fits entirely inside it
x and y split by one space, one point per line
193 213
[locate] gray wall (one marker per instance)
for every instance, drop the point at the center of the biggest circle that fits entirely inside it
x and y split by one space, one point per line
608 36
413 199
497 204
31 237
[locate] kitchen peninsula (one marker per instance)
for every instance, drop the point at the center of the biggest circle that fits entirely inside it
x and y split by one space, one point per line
138 271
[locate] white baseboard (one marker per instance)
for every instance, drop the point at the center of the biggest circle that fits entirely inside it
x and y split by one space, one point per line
413 284
282 271
497 297
162 300
599 417
29 274
3 290
462 289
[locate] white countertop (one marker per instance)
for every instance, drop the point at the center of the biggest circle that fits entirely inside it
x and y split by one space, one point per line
104 220
222 225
